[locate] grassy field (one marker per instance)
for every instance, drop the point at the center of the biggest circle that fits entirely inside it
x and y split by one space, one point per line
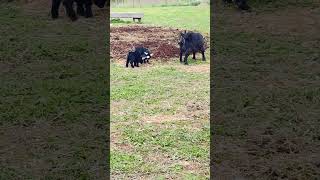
160 113
182 17
53 79
157 3
266 100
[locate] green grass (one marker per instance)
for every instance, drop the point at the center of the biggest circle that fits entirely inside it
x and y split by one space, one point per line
161 111
136 100
185 17
125 162
162 3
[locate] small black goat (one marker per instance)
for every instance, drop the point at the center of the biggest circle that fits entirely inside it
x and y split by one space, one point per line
138 55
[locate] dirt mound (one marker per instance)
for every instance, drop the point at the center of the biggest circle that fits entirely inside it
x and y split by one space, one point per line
162 42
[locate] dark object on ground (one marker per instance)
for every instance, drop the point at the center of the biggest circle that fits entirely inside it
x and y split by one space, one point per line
242 4
138 55
191 42
144 53
84 8
134 58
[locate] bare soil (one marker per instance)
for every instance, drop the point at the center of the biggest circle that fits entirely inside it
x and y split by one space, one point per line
162 42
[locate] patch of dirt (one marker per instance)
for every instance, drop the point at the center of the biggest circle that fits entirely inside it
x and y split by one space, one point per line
117 144
163 118
167 162
192 166
194 112
197 110
162 42
194 106
203 68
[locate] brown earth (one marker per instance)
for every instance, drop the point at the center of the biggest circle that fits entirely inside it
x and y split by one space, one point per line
162 42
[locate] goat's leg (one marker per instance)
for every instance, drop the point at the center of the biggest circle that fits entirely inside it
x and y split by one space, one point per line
68 4
80 7
186 57
55 8
88 7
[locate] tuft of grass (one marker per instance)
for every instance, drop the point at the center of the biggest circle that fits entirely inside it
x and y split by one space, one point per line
125 162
